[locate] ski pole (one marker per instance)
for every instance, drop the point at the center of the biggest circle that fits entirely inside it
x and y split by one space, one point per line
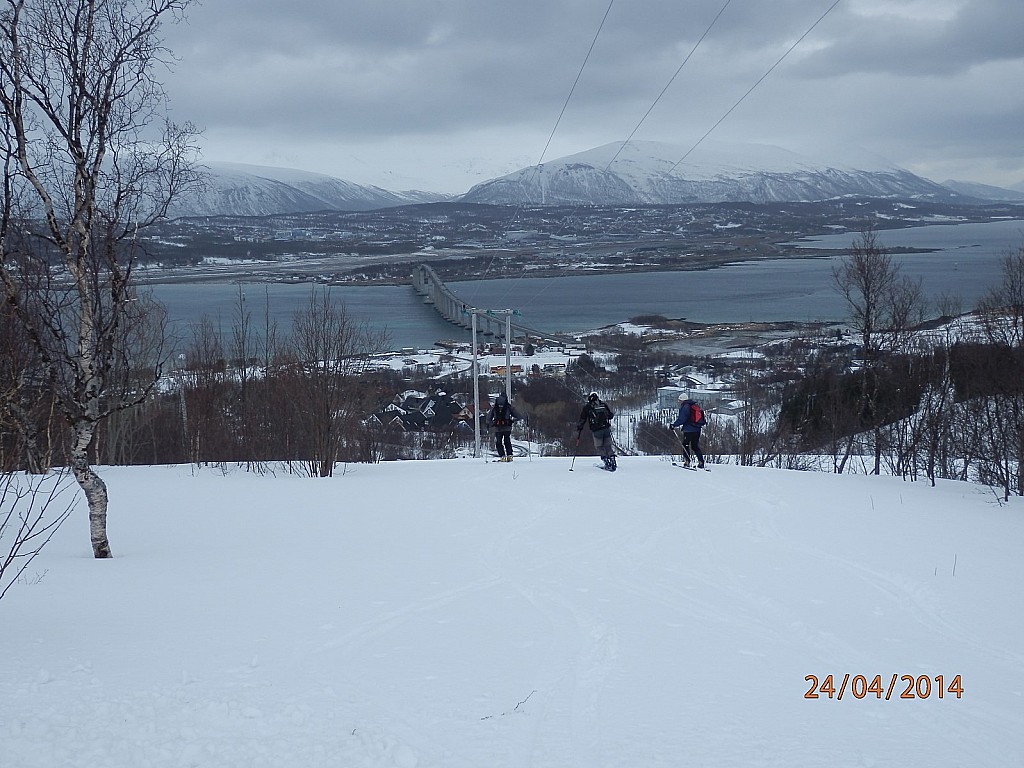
682 445
577 449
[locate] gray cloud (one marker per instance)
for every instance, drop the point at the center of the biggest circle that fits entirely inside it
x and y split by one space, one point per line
440 93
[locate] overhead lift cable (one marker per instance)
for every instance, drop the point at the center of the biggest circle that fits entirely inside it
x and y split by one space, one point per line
650 109
576 82
668 84
733 107
751 89
722 119
551 136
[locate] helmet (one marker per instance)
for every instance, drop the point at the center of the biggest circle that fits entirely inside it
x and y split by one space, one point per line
502 399
592 397
682 397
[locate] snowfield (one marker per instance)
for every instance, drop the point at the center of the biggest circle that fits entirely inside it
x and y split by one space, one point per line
463 614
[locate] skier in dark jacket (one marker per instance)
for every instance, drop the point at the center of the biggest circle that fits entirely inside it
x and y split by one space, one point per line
500 418
598 415
691 431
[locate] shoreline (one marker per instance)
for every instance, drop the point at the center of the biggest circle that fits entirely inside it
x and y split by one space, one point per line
259 273
703 339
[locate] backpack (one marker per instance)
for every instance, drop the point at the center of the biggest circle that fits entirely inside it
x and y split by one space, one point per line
502 416
697 417
600 416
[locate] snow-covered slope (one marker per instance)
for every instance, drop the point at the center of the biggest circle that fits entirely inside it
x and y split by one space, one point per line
459 614
645 172
984 191
253 190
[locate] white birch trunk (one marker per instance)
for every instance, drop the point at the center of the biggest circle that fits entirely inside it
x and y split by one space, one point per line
94 488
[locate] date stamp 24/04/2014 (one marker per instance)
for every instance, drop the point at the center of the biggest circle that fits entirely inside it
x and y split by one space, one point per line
897 686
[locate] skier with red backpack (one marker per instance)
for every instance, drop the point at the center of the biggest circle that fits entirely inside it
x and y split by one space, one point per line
691 418
500 418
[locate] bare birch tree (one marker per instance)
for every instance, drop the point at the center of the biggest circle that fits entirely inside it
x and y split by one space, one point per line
1002 316
90 158
883 306
25 408
331 350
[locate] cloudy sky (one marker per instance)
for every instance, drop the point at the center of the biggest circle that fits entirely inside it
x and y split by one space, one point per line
442 94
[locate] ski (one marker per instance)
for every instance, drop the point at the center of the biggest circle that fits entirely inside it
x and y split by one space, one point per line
692 469
605 467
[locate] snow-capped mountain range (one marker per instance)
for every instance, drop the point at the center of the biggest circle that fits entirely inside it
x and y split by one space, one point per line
987 191
656 173
635 173
236 189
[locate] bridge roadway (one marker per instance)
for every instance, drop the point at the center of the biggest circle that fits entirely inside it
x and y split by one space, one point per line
455 310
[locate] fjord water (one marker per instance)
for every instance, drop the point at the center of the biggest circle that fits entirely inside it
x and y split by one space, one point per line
966 263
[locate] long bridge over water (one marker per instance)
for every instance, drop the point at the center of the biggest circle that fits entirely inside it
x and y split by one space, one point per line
455 310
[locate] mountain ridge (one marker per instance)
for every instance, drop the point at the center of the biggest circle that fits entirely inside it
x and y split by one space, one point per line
985 192
658 173
242 189
618 173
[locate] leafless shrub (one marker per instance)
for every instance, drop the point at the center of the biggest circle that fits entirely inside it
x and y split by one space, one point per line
31 511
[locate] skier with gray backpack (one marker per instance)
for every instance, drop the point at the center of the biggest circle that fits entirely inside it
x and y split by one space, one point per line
598 415
500 418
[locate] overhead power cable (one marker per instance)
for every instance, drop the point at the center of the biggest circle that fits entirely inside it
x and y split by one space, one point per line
576 81
665 89
669 83
636 128
751 89
554 129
